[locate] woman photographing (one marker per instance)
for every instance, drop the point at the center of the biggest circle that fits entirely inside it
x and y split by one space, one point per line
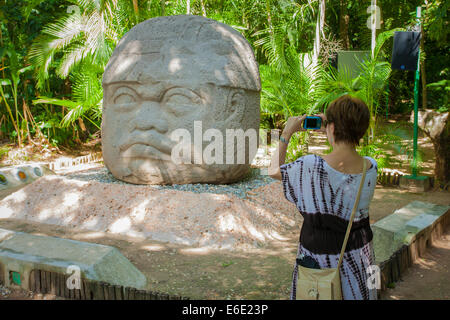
324 190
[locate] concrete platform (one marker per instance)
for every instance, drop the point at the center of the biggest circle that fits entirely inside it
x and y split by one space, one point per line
413 222
21 253
415 184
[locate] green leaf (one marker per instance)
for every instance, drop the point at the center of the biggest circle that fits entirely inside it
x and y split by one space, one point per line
5 82
58 102
25 69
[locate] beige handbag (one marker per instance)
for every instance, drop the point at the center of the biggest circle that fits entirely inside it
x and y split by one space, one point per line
325 284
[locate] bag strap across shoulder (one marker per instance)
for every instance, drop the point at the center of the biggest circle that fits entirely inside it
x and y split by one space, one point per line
355 206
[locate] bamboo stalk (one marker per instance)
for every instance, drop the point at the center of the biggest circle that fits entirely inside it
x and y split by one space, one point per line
33 122
26 120
8 108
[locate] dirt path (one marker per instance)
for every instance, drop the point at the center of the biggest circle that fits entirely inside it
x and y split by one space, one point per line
428 278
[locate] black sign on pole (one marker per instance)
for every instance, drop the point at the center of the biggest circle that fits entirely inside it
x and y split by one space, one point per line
406 50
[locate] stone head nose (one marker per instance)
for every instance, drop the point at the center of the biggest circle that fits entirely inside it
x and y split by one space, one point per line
151 117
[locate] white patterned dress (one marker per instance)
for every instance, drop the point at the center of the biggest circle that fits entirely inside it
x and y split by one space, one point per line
325 198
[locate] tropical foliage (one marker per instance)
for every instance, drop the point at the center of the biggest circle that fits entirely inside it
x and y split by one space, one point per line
53 54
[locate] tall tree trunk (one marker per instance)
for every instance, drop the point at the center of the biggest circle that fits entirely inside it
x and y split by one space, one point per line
202 3
344 20
322 17
163 7
373 4
188 6
136 10
320 23
269 16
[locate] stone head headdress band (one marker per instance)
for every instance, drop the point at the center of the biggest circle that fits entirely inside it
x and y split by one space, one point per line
189 48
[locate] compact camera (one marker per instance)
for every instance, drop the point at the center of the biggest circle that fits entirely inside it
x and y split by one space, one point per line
312 123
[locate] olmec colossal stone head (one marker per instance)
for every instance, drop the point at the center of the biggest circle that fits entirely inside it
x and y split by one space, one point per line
180 95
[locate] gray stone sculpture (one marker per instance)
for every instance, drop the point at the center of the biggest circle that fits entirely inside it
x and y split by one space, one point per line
180 72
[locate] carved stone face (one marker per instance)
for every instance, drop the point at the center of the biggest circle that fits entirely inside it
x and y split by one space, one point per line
165 74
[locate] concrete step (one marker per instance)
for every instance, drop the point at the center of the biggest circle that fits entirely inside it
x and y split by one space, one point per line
21 253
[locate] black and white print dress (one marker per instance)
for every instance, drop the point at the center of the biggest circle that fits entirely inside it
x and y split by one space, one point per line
325 198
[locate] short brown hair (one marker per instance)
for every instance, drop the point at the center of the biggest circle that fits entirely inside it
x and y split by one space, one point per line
351 119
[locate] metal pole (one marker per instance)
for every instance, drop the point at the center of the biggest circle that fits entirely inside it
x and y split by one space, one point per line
416 104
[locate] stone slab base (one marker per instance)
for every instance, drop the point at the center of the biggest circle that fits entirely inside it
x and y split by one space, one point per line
21 253
419 184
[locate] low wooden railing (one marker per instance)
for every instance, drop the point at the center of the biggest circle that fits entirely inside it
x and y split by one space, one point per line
54 283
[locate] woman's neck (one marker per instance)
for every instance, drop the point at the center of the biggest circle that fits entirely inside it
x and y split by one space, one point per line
344 149
344 158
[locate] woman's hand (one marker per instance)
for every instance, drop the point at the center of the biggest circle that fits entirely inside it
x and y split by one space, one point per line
293 125
322 128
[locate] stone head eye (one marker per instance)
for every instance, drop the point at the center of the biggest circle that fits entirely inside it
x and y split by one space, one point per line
178 99
124 98
180 96
124 95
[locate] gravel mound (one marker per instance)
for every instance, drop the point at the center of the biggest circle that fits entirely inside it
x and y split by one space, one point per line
252 181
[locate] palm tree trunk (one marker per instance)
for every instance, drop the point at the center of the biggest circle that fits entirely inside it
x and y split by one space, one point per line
136 10
373 27
202 3
343 24
319 32
322 17
269 16
163 7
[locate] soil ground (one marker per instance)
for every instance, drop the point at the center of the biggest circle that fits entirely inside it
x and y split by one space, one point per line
428 278
260 273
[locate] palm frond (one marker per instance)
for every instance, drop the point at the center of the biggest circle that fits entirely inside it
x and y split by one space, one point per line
65 30
54 101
